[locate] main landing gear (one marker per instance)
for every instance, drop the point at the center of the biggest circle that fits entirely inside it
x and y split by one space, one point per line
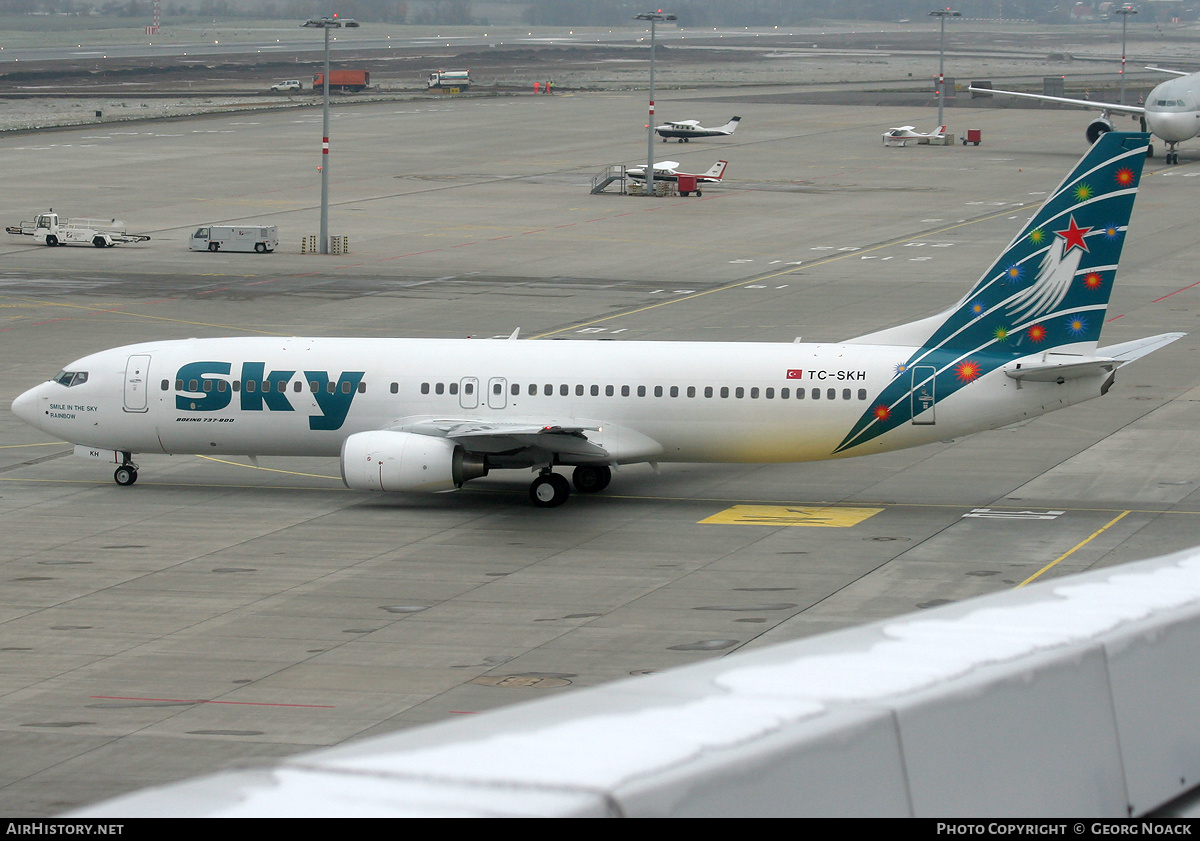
127 473
550 490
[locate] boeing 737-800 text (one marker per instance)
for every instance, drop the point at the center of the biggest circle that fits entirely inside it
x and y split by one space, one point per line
431 414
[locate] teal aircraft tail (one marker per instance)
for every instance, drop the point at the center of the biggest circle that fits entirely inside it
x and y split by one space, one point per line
1047 292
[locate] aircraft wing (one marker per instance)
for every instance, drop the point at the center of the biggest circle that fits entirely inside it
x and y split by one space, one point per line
505 437
666 166
1082 103
580 440
1172 72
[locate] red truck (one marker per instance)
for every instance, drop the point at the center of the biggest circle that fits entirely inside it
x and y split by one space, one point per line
342 80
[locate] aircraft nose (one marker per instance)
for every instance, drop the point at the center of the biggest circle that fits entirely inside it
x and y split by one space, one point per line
28 406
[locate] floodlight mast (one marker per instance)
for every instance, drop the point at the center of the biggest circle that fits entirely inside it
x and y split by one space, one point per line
326 24
1124 12
654 18
941 15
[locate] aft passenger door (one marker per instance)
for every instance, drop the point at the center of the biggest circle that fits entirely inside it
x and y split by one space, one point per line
924 395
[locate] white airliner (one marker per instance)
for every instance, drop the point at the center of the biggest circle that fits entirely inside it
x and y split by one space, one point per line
431 414
903 135
1171 113
685 130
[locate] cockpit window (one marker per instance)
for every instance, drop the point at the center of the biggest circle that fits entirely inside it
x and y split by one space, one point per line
70 378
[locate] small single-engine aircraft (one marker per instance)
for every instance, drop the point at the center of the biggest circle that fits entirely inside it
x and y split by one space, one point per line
669 171
901 135
687 129
1171 112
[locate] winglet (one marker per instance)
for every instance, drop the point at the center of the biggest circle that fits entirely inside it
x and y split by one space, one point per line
515 333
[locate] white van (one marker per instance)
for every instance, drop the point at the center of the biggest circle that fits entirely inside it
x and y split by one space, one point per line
260 238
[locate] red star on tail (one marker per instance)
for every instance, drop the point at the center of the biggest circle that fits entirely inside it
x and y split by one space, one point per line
1074 236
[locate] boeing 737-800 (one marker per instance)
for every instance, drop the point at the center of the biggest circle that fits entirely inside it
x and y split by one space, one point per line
431 414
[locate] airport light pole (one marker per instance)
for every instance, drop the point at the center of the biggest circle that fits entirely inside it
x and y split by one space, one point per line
941 15
654 18
1124 12
328 23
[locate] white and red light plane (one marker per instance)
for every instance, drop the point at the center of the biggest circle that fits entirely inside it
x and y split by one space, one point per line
669 171
409 415
903 135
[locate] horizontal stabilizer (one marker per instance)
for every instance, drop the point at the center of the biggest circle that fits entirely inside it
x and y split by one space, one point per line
1129 351
1060 367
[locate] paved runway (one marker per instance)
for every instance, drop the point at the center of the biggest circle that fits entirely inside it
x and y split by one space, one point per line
217 614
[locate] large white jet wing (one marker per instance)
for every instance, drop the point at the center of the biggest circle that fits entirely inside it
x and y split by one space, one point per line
501 437
1082 103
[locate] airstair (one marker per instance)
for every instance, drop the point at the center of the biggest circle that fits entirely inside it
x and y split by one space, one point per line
611 173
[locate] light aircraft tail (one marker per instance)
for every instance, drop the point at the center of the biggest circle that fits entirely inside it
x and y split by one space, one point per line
717 170
941 132
731 126
1038 309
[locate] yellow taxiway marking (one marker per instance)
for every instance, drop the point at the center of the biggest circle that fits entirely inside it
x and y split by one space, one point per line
790 515
1074 548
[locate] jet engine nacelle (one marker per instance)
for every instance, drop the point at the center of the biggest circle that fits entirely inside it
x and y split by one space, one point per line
1097 127
404 461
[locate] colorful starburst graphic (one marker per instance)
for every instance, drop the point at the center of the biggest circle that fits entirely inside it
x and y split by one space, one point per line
1112 233
900 368
967 371
1076 326
978 308
1093 280
1083 192
881 412
1036 236
1124 177
1013 273
1036 333
1001 334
